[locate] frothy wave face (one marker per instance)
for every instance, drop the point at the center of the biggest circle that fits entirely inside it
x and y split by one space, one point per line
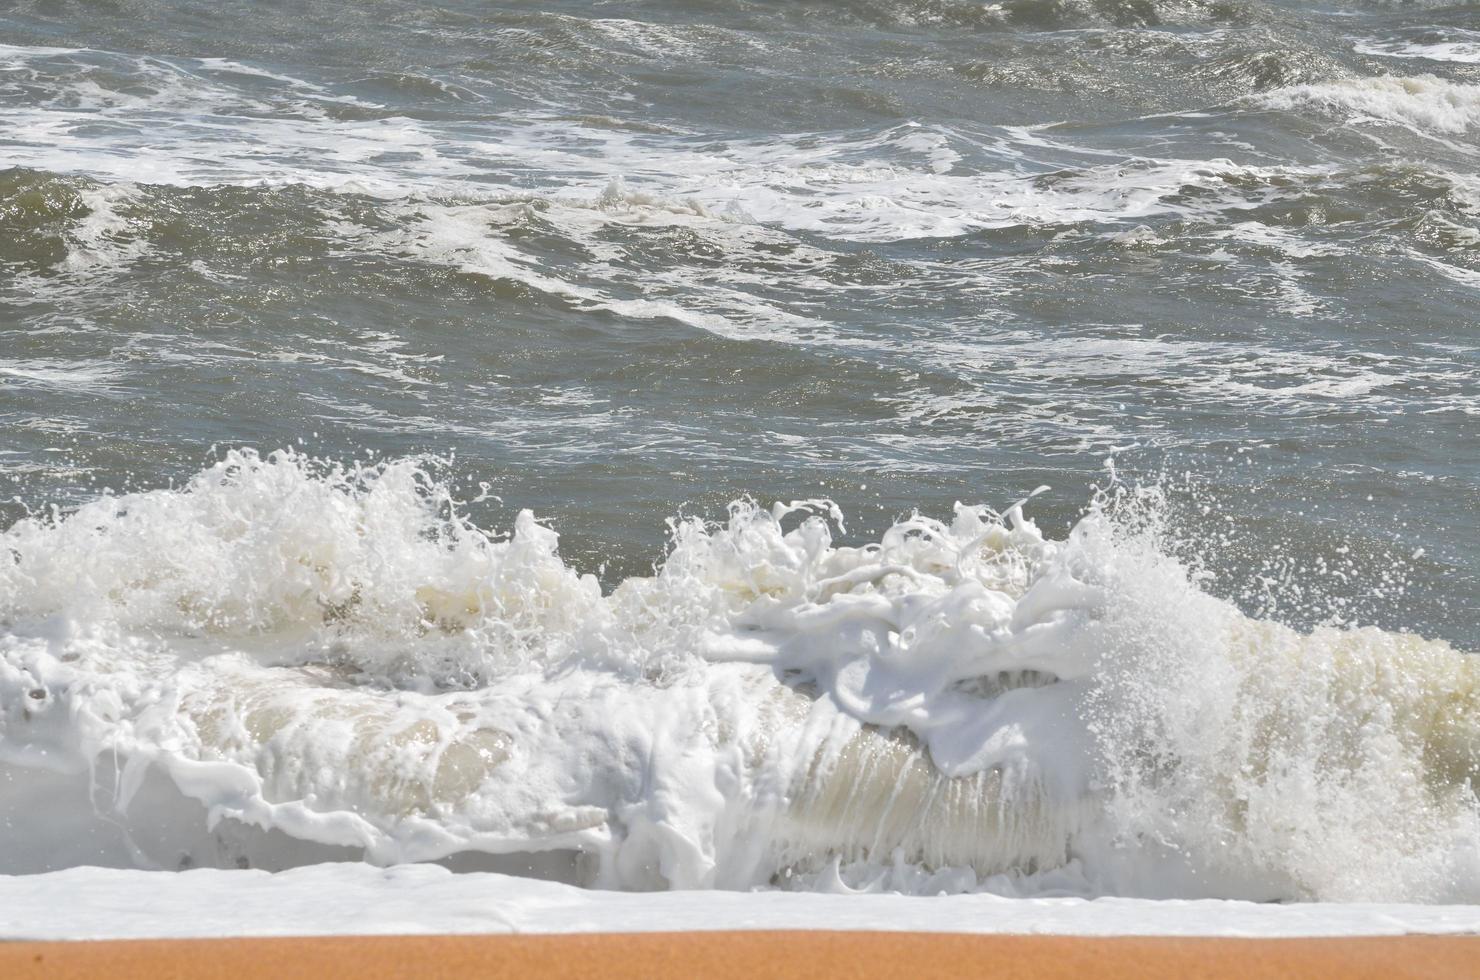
285 660
1423 103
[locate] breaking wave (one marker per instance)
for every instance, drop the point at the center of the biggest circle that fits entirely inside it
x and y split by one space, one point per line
1423 103
285 660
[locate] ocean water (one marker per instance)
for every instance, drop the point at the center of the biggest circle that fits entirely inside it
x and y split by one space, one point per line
909 445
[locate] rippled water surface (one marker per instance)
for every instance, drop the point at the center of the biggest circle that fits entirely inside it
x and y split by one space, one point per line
626 259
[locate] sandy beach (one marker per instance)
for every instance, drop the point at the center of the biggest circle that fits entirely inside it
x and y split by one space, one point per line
747 954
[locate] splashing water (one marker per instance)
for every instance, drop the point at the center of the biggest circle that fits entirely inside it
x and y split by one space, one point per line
286 660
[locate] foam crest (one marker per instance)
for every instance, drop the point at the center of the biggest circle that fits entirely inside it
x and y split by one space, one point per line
255 545
1424 103
1458 47
1269 760
336 656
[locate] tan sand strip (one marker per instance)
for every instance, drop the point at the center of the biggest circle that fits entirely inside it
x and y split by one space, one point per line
748 955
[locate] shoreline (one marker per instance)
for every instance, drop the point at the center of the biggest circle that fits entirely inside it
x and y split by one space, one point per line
746 954
343 899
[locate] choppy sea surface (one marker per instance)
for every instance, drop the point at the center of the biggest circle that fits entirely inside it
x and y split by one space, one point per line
1028 447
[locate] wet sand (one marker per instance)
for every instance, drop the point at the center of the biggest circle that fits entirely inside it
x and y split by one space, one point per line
746 955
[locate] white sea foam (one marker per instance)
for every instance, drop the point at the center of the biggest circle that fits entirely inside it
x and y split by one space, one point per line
901 182
1463 48
104 238
1423 103
283 660
91 376
355 899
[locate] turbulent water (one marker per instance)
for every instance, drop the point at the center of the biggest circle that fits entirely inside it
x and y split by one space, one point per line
393 398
